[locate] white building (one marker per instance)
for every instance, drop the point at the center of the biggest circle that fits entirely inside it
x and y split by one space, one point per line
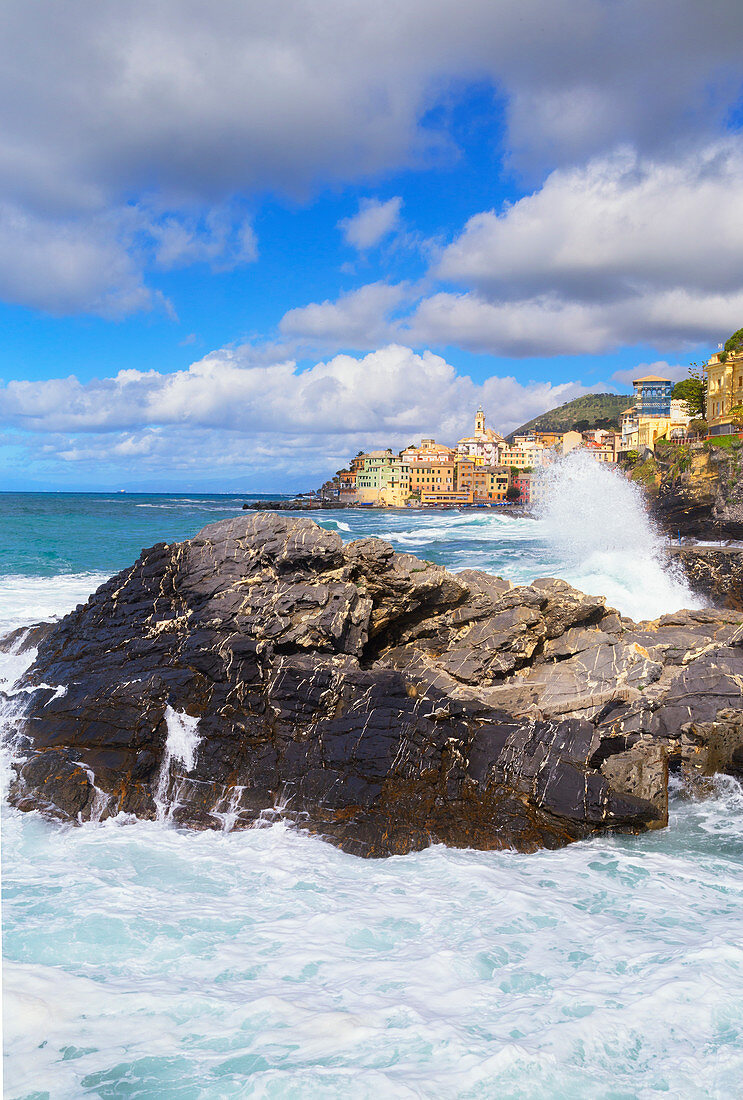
484 446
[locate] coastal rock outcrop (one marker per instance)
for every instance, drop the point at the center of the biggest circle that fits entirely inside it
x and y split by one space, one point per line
264 668
694 489
714 571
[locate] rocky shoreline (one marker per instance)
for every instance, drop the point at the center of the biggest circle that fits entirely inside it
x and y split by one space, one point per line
714 571
298 504
694 489
264 667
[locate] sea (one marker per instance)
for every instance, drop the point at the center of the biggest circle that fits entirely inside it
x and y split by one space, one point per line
144 960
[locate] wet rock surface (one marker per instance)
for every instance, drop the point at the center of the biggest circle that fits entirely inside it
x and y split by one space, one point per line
369 696
715 572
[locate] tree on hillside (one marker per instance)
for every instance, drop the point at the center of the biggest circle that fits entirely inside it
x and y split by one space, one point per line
693 390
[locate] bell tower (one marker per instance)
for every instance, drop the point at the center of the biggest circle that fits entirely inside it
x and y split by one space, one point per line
479 421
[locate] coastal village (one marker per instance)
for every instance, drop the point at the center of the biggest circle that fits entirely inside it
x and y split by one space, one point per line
487 470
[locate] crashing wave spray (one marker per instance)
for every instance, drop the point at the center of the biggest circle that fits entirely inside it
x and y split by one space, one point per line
595 523
181 745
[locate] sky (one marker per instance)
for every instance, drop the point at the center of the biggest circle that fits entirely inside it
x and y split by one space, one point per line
240 241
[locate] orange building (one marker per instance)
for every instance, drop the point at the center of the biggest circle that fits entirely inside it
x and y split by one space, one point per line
431 477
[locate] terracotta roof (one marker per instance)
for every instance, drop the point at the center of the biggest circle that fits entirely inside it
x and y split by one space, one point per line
650 378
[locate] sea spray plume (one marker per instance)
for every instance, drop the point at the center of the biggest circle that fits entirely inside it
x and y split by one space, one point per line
595 520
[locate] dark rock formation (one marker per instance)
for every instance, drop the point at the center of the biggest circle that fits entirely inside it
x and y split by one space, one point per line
24 638
367 695
715 572
303 504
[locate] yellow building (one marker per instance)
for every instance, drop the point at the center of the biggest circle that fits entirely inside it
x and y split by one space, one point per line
724 391
546 439
394 494
429 451
570 440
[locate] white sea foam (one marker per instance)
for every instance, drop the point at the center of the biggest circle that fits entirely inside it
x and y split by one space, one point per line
13 664
183 738
338 524
592 529
267 963
433 527
181 745
227 810
26 600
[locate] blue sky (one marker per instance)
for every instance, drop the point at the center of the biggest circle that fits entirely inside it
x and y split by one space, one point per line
240 242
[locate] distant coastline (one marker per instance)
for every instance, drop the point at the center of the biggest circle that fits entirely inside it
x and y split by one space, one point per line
315 504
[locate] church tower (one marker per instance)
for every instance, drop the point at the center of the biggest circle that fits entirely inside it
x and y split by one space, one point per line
479 421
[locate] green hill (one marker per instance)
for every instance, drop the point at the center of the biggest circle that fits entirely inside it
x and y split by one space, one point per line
594 410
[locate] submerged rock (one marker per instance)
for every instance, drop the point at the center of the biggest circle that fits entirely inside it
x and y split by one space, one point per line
265 668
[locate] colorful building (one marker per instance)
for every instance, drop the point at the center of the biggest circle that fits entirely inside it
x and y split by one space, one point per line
382 471
432 473
569 441
429 451
724 391
524 483
652 407
486 483
429 476
527 455
600 451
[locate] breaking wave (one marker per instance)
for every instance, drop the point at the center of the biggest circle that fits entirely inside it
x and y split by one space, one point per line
594 522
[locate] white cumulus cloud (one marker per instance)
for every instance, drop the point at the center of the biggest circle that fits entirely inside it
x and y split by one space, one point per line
374 221
358 319
611 227
272 419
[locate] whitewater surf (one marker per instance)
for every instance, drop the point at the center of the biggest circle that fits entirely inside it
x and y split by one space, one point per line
141 959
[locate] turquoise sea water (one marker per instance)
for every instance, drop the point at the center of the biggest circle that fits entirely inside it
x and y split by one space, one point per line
144 961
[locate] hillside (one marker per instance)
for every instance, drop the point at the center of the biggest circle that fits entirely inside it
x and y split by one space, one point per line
594 410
